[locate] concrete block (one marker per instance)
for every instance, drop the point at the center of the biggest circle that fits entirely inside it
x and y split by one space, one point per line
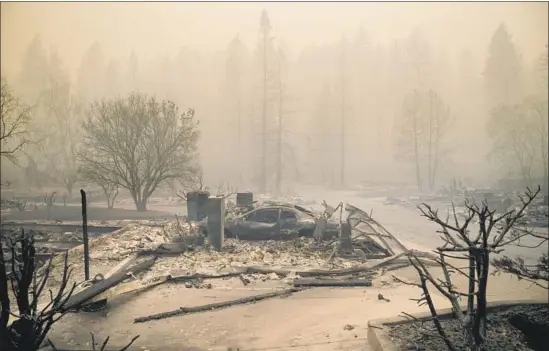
216 221
196 205
345 238
244 199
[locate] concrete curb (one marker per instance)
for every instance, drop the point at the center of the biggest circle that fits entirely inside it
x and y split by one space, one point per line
378 333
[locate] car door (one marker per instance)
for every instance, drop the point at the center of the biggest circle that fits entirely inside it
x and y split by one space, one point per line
261 224
288 220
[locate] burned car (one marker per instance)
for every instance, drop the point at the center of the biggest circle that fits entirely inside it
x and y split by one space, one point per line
275 222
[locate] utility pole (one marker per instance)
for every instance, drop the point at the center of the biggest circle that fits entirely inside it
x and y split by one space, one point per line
342 130
238 126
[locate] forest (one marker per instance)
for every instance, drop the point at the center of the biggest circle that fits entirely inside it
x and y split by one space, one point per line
333 114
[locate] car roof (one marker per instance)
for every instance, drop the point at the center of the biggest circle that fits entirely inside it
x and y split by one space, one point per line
292 208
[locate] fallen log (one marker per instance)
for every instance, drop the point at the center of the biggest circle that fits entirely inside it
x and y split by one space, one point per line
121 266
364 275
183 278
331 283
365 270
101 299
215 306
135 288
78 299
371 266
167 249
138 286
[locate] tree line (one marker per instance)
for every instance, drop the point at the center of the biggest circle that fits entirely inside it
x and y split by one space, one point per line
322 115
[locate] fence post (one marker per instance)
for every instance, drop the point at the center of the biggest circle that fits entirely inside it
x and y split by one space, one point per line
85 236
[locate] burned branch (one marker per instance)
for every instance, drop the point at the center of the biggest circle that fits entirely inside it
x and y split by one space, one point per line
537 273
494 233
103 345
30 328
192 184
225 190
33 321
109 187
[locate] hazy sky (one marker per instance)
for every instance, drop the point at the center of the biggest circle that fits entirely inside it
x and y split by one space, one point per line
153 29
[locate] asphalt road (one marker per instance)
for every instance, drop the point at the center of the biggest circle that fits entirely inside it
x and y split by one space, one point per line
408 225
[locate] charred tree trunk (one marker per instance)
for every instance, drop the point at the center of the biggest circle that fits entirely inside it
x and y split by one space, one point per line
263 179
415 139
110 194
110 201
416 159
69 186
430 145
4 297
279 134
139 199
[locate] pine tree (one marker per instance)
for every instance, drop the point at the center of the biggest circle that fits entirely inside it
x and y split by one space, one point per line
33 77
266 42
112 80
91 74
502 70
235 81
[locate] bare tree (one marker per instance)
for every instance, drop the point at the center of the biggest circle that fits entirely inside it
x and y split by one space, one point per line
49 200
438 123
410 126
423 126
537 119
14 119
139 144
61 143
29 331
495 232
109 187
511 132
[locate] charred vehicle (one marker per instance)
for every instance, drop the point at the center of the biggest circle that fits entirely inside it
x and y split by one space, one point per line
275 222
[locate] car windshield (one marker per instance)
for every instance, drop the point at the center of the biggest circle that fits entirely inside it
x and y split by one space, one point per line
264 215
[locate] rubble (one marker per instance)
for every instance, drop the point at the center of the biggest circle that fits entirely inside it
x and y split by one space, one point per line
175 252
137 237
106 250
296 254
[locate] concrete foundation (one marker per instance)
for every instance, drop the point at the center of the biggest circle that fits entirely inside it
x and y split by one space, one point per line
216 222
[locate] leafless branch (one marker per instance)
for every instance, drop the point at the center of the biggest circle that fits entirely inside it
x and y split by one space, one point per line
14 119
494 233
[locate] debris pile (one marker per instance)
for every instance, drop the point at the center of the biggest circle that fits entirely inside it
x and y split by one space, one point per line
110 248
297 254
135 238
